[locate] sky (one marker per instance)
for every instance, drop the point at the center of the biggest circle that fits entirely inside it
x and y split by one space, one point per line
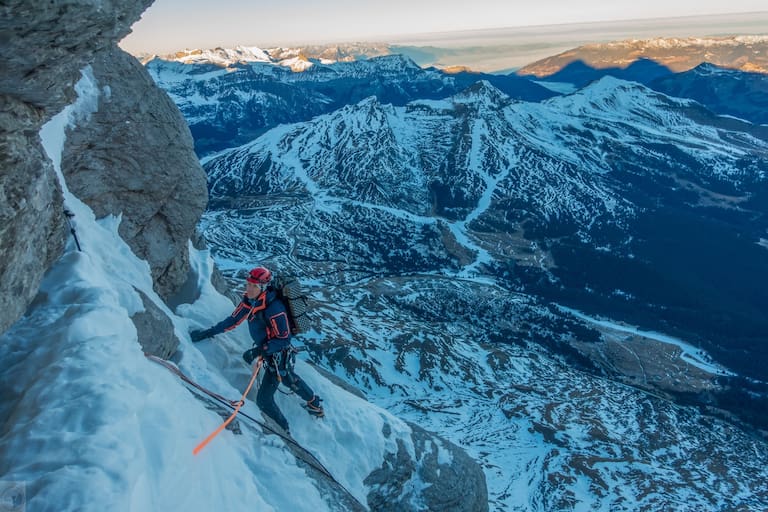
170 25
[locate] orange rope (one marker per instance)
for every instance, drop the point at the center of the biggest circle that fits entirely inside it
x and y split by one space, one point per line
216 432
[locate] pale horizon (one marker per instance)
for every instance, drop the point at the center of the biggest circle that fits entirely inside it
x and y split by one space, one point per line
504 50
174 25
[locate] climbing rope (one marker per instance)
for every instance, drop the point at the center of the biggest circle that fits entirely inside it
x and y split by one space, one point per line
239 404
236 404
175 370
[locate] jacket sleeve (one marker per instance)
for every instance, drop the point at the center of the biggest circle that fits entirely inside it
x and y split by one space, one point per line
236 318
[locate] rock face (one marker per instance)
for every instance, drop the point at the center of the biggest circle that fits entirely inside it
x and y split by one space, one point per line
135 157
132 158
455 481
31 211
154 329
34 86
45 44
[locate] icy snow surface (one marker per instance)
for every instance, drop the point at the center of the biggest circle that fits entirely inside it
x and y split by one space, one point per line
91 424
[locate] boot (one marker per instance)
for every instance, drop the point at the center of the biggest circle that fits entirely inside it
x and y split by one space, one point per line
314 407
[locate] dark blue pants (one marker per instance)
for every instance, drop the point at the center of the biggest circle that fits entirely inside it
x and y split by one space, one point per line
265 398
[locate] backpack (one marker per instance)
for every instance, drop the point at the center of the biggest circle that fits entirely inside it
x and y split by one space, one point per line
296 303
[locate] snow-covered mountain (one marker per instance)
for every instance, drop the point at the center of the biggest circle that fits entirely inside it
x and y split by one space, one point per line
298 59
486 162
727 75
90 423
231 96
725 91
461 250
468 315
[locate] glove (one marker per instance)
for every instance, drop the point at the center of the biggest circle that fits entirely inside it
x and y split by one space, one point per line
200 334
250 355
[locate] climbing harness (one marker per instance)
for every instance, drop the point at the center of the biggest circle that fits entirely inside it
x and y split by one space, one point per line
284 361
281 363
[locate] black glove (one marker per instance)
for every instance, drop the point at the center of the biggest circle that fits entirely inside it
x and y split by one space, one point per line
251 354
200 334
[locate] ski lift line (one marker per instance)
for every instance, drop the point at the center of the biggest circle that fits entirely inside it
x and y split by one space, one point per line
309 459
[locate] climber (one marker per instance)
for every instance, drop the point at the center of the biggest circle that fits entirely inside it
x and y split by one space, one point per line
268 326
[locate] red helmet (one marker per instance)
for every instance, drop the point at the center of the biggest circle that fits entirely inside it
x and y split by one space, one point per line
259 275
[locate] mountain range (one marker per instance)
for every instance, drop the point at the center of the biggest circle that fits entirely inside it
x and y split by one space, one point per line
581 178
230 97
497 267
743 53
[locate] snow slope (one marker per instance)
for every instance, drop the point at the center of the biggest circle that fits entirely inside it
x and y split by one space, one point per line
91 424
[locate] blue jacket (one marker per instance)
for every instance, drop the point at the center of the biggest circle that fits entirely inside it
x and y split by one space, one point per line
267 321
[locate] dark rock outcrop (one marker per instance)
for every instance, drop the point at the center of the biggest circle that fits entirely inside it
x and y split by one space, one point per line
154 329
31 211
45 44
454 482
43 47
134 157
